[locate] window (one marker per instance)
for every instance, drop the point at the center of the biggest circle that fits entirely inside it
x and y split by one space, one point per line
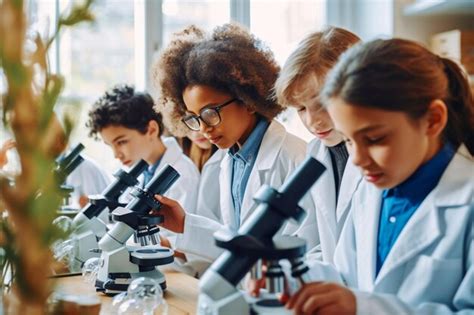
93 58
282 24
119 46
177 14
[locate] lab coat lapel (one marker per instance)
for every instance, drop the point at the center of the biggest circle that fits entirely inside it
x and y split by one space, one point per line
267 154
368 212
227 207
350 180
323 191
421 230
172 154
424 228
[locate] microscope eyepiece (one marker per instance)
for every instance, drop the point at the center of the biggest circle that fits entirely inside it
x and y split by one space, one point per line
144 200
112 192
68 162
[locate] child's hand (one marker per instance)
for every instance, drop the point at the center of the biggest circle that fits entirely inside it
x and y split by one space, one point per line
7 145
164 241
323 298
253 286
173 214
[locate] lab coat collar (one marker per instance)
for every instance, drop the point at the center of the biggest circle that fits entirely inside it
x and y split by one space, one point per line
271 145
266 156
216 157
350 180
459 172
367 220
424 226
323 191
173 152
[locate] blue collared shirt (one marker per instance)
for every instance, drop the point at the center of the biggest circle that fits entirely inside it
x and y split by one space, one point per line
150 172
399 203
243 161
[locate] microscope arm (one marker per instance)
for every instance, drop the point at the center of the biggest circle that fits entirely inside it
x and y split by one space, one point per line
254 240
128 218
271 214
109 197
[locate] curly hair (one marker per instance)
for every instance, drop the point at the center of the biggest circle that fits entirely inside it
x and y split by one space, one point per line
230 60
122 106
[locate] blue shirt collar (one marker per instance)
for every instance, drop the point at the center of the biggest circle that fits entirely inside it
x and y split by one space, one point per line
425 178
249 150
152 168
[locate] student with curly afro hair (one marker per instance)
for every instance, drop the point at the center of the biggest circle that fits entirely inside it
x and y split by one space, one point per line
220 84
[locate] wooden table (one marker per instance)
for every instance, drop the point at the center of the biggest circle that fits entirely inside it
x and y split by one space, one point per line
181 293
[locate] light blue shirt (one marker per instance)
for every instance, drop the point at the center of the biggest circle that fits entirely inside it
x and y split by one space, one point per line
399 203
243 161
150 172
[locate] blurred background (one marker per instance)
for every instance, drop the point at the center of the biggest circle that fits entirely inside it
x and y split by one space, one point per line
119 47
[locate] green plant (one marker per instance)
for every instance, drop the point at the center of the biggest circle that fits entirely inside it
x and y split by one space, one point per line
28 207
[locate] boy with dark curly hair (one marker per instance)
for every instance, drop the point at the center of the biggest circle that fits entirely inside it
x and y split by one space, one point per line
221 84
127 122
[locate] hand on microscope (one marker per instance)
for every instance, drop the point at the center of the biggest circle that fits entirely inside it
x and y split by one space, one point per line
323 298
173 214
253 286
166 243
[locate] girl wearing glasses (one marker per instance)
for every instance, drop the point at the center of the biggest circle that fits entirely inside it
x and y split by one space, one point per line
220 84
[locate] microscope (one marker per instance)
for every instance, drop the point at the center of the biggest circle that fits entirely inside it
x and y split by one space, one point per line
256 240
88 227
65 164
121 264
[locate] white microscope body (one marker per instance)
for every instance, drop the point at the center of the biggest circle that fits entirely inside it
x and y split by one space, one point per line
121 264
88 226
256 240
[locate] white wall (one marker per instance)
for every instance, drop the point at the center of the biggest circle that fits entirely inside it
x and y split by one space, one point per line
369 19
421 28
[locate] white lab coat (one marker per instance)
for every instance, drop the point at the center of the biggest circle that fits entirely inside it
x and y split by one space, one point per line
185 189
208 206
430 269
88 179
278 156
329 219
208 203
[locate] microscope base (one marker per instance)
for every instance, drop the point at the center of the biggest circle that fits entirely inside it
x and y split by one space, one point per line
125 264
269 307
86 242
118 283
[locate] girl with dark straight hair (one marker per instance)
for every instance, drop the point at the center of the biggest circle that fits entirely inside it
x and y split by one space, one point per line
407 245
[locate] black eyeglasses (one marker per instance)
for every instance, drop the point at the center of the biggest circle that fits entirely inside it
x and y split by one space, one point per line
209 115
